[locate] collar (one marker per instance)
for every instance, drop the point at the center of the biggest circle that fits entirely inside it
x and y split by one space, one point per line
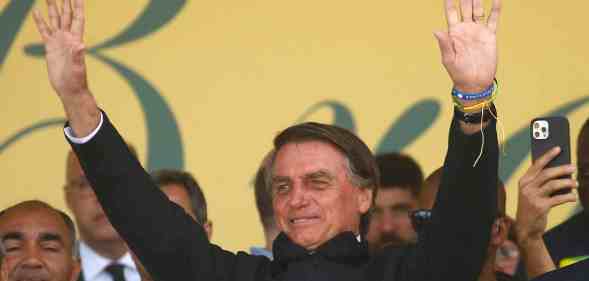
93 263
343 248
260 251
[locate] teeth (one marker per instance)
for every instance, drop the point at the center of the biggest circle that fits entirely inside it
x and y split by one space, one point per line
300 220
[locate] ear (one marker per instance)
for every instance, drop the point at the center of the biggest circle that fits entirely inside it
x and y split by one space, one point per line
76 269
208 226
364 197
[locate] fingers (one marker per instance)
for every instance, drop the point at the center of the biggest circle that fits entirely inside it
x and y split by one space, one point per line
77 28
445 44
466 9
53 15
451 13
41 25
557 185
541 162
478 11
553 173
66 14
562 199
493 20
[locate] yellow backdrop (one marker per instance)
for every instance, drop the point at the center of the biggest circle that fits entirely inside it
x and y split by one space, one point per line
230 74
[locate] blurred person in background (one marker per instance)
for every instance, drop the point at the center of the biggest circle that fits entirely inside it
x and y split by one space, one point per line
499 229
390 222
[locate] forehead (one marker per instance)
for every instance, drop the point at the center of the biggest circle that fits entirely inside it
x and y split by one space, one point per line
175 191
32 221
299 158
393 195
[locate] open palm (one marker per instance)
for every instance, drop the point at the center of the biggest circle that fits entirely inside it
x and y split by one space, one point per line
469 47
63 38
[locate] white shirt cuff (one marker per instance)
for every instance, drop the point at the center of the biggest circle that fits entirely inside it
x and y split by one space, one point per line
69 133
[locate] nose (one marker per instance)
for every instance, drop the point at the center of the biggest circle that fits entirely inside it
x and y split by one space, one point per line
387 223
32 259
298 197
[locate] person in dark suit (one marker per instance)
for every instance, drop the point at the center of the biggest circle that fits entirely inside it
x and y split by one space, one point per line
103 253
323 178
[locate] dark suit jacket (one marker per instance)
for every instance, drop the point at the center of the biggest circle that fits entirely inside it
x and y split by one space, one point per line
173 247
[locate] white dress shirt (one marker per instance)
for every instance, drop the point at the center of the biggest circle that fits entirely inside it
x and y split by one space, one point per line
81 140
94 265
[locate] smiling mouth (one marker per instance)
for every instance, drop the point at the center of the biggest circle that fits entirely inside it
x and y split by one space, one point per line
303 221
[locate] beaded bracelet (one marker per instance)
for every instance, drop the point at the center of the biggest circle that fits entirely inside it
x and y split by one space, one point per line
477 96
479 106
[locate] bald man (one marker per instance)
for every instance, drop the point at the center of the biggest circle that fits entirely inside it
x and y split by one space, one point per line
38 243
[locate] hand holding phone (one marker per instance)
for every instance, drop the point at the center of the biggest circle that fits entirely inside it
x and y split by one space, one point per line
547 133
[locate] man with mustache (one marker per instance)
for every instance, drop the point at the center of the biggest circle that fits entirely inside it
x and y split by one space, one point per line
390 222
38 242
322 178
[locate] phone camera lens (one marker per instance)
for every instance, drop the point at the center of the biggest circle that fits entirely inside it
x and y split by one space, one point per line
536 125
543 129
536 134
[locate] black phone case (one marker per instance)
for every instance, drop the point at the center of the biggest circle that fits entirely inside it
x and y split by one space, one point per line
559 135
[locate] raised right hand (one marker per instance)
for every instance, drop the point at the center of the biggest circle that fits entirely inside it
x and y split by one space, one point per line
64 53
64 47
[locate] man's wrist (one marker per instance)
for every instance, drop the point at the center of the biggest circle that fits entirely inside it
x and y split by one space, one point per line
471 90
527 240
82 113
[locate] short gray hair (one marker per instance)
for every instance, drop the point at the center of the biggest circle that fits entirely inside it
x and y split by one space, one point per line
362 168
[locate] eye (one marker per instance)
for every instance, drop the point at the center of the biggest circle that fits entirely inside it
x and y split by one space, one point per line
319 183
12 249
51 246
281 188
11 246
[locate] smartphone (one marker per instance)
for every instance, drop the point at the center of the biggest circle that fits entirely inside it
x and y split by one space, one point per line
548 132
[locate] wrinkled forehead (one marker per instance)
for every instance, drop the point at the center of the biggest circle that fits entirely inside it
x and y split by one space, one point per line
30 223
300 158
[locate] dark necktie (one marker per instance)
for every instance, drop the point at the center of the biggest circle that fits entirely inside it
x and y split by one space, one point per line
116 271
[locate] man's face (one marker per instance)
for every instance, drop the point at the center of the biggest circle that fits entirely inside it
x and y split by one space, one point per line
390 223
178 194
92 223
38 246
313 197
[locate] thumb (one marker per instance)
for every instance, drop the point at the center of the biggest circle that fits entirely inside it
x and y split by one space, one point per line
445 45
78 53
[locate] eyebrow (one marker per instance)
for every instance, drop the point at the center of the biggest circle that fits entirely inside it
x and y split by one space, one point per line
319 174
48 236
280 179
12 236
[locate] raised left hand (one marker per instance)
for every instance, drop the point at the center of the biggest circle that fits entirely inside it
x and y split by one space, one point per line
469 47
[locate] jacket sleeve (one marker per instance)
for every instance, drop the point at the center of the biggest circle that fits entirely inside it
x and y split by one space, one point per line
169 242
454 244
